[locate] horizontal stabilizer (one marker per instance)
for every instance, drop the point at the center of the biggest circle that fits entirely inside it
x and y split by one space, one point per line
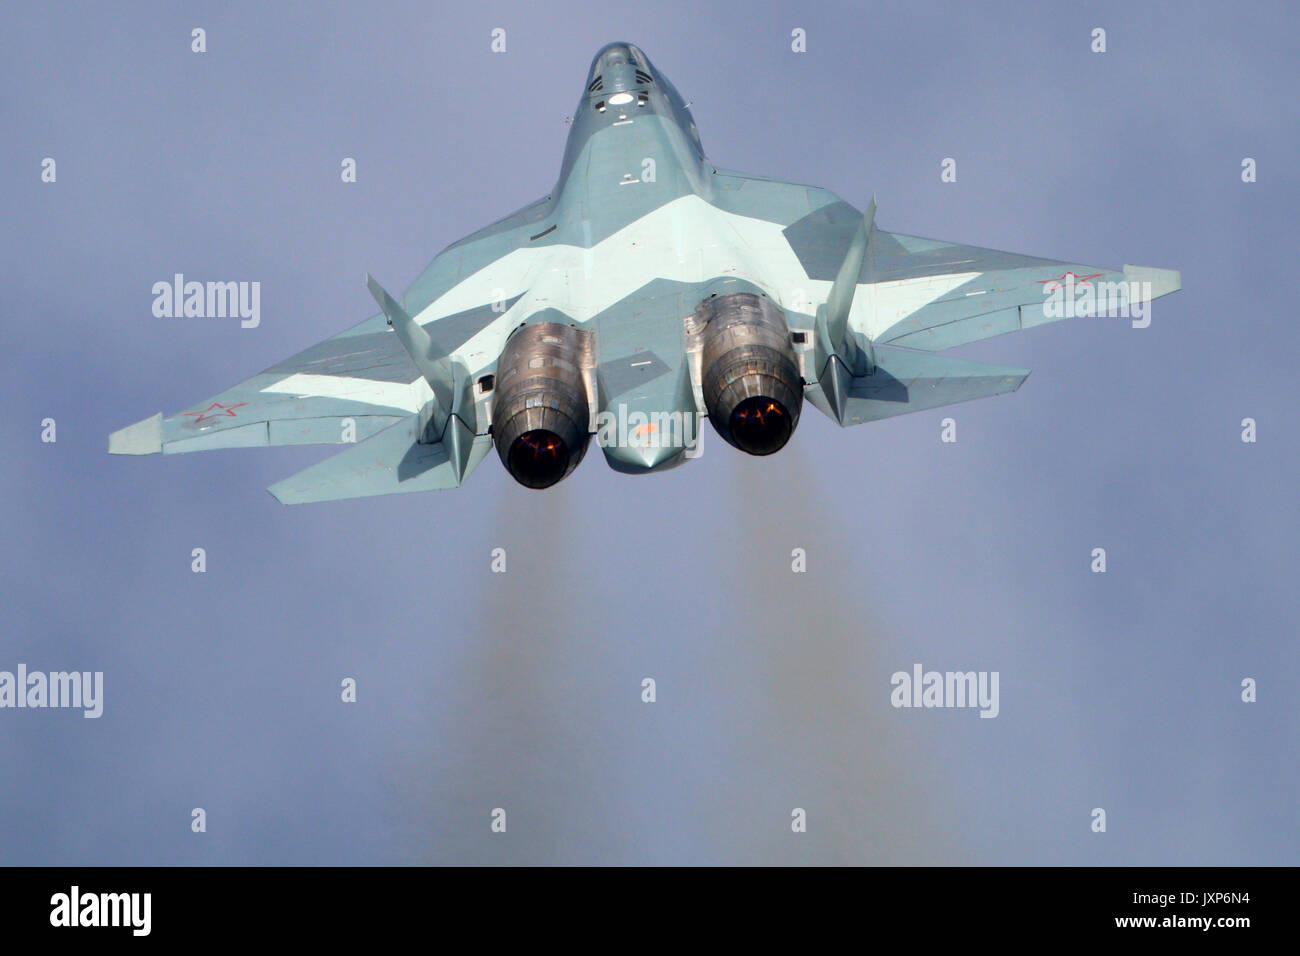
391 462
907 381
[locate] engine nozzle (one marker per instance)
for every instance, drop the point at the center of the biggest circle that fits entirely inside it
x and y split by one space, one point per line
540 416
752 388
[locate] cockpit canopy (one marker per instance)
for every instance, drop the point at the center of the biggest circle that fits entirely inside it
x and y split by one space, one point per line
619 66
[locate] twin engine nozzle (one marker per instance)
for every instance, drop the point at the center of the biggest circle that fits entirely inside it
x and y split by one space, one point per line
751 384
752 387
540 417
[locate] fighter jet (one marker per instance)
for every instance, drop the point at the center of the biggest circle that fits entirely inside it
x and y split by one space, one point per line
648 290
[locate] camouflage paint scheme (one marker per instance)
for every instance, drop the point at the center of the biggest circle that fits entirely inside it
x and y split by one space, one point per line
639 229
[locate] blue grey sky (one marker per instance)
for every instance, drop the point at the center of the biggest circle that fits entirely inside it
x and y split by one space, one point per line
522 690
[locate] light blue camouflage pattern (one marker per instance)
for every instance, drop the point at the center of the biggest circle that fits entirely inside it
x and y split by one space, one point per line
639 230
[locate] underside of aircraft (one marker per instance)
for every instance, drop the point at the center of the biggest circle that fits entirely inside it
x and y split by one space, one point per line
647 291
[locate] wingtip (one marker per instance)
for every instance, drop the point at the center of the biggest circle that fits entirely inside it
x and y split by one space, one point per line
281 493
1162 281
142 438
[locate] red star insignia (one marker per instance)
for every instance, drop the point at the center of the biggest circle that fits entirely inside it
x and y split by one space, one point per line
1082 280
226 411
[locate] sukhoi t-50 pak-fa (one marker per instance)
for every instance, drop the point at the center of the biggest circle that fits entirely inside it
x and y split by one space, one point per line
648 290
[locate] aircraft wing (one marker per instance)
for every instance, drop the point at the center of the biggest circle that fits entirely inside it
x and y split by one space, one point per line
932 294
929 294
362 376
912 296
363 389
